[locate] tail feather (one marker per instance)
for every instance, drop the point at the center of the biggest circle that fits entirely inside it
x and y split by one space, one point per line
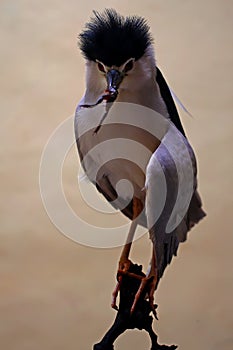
170 245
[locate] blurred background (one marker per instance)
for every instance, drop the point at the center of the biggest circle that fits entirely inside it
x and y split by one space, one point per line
56 294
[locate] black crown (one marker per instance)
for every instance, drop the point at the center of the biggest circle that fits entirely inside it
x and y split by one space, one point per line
113 39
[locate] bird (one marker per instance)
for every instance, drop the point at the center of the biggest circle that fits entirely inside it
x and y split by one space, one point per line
121 67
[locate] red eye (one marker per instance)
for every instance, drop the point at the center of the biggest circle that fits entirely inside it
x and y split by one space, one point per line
129 66
101 67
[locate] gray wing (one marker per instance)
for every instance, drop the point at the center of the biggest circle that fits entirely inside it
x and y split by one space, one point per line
173 205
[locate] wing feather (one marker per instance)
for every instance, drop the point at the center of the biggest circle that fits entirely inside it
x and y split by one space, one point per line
172 206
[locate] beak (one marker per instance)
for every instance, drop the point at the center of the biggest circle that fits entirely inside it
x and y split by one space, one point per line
114 78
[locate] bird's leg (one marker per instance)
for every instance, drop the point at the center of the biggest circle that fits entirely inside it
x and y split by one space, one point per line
150 283
124 262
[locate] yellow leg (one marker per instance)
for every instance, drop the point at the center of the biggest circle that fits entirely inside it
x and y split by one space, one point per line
124 262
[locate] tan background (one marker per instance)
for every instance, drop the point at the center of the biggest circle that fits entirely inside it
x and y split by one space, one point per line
55 294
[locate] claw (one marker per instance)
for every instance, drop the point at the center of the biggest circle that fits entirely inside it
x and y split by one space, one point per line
139 293
115 293
123 269
151 280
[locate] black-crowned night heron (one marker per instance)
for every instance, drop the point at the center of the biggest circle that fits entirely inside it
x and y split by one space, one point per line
121 67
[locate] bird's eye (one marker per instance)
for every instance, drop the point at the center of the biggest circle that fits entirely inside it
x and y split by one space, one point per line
101 67
129 65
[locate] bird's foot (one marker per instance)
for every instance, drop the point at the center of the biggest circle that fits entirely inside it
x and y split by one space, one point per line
124 266
148 284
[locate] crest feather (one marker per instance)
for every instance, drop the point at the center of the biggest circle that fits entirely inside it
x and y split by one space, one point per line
113 39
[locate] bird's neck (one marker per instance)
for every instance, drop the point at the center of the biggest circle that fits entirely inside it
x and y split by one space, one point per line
147 95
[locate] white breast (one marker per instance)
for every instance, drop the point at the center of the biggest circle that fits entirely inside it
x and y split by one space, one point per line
122 147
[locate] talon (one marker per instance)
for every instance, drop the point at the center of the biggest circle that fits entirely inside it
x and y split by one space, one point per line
150 284
115 307
115 294
123 268
153 308
139 293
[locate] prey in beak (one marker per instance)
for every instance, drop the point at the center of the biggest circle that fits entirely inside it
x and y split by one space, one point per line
114 78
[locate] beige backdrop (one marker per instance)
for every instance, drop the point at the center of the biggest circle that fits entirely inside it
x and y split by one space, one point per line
55 294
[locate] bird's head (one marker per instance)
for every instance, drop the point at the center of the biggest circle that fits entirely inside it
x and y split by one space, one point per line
118 51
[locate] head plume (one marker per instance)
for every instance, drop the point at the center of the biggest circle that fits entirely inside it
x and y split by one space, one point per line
113 39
